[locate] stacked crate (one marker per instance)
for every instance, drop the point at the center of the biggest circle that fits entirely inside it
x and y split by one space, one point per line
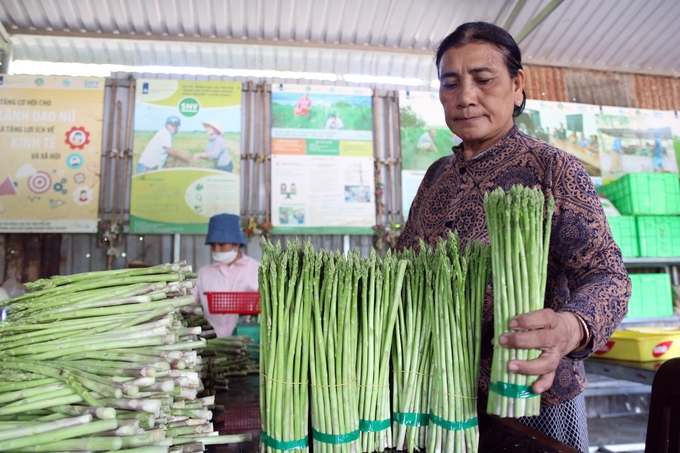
649 227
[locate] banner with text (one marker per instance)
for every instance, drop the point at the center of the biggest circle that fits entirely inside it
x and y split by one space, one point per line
187 148
322 160
50 142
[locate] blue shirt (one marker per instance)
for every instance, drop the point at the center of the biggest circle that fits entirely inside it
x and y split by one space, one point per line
617 145
658 148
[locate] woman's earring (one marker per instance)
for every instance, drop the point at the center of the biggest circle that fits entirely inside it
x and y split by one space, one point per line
519 103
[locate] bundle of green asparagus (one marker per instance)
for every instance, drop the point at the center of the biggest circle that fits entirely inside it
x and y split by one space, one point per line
379 303
519 245
104 361
460 281
285 283
333 359
412 354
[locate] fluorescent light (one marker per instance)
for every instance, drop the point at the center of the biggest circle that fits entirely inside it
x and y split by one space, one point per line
104 70
47 68
386 80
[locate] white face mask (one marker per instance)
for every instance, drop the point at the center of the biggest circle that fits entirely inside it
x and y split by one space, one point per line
225 257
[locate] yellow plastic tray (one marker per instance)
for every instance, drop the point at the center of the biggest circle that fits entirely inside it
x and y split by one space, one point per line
642 344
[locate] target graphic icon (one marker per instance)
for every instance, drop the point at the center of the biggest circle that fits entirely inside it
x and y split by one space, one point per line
40 182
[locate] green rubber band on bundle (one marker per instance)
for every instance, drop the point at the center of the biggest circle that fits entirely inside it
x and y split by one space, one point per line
411 418
284 445
512 390
373 426
335 439
453 426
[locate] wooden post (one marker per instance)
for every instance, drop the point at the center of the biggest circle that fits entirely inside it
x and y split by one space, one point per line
245 157
267 154
377 154
127 150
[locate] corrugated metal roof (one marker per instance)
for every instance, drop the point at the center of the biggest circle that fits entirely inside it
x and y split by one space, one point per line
378 37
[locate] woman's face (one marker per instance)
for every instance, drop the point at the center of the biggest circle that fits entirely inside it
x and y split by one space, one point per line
210 130
478 94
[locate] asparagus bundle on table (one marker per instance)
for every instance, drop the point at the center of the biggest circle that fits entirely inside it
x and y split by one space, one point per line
379 303
519 245
460 281
285 280
104 361
412 355
334 292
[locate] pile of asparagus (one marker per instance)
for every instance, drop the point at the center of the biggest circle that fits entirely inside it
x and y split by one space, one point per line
105 361
225 357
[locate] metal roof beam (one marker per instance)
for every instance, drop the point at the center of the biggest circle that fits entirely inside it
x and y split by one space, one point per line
537 20
231 41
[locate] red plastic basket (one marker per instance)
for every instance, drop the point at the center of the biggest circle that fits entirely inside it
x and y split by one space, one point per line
240 303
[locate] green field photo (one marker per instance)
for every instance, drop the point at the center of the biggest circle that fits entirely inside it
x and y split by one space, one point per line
189 143
357 118
413 128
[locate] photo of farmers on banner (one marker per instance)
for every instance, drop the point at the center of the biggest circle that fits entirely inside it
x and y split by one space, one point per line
425 138
50 153
609 141
322 160
186 155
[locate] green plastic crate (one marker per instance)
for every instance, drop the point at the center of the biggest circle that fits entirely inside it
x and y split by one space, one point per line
658 236
645 194
651 296
624 230
250 329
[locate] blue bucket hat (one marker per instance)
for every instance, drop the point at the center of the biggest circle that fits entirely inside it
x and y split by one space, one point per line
225 229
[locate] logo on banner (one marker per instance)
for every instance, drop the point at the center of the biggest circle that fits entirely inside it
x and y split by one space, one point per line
77 137
91 83
39 82
189 107
145 88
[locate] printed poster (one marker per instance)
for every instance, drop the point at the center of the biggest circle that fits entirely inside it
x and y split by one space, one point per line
322 160
424 139
609 141
50 142
186 155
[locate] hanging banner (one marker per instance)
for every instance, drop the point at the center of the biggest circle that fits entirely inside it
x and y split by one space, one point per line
50 142
322 160
609 141
424 139
187 148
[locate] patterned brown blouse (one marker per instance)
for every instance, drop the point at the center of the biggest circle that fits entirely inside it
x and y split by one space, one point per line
586 274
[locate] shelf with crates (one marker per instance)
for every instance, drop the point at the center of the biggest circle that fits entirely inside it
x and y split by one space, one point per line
648 233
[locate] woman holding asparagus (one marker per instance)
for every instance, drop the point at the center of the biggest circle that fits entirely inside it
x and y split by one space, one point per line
587 288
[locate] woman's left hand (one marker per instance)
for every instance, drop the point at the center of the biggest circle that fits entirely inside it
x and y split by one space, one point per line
556 334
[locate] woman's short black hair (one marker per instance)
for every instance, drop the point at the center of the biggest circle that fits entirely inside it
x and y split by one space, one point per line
487 33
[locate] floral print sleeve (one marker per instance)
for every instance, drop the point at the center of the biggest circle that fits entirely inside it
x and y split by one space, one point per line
584 254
